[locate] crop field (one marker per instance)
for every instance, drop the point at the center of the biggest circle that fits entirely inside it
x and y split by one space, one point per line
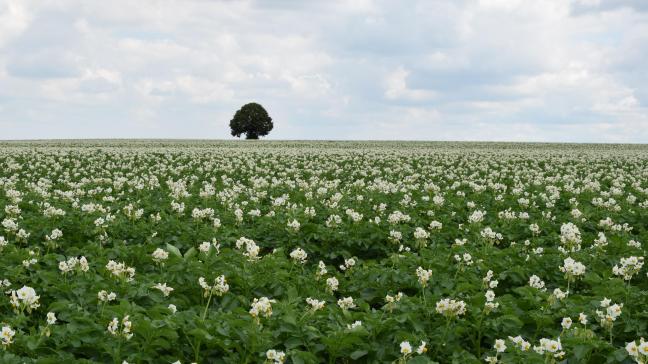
322 252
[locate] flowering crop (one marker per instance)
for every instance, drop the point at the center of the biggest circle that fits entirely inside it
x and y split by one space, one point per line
294 252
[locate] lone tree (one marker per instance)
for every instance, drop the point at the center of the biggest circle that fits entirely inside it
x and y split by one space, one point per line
252 120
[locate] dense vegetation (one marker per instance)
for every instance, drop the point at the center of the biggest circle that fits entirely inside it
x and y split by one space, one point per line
163 252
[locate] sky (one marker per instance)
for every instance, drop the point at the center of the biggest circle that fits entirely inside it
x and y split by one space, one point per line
493 70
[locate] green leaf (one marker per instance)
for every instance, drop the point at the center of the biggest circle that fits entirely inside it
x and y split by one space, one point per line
190 253
358 354
421 359
201 333
174 250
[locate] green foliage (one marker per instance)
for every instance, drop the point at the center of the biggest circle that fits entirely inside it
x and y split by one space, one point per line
252 120
122 202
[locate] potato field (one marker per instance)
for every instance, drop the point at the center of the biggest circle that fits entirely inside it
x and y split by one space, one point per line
322 252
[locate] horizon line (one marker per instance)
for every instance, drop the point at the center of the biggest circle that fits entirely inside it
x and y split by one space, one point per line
318 140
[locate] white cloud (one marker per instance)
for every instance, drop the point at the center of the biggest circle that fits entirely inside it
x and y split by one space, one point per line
14 18
465 69
396 87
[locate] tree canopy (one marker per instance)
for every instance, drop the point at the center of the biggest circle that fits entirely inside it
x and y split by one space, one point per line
252 120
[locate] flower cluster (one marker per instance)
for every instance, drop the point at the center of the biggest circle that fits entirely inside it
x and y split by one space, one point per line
160 255
451 308
629 267
24 299
570 237
121 270
219 288
315 304
346 303
126 327
638 352
572 269
275 357
423 275
610 313
74 263
549 347
104 296
251 249
6 336
406 349
299 255
261 307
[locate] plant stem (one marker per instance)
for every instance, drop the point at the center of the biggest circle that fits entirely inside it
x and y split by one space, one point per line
207 306
479 334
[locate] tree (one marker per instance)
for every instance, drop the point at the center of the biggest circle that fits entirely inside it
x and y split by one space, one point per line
252 120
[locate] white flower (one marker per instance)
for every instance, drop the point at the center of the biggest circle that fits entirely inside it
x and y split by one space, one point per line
348 264
491 236
643 348
566 323
121 270
160 255
605 302
395 236
354 325
421 348
559 294
421 234
423 275
204 247
332 284
321 269
6 336
346 303
476 216
24 299
251 248
104 296
629 267
490 295
572 268
293 225
261 307
163 288
451 308
392 299
51 318
315 304
632 349
113 328
610 313
299 255
548 345
219 288
500 346
278 357
570 237
405 348
172 308
520 343
435 225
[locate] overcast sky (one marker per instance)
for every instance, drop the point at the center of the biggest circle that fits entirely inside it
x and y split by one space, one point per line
520 70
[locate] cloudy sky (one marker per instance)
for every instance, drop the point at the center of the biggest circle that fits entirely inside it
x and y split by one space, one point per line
520 70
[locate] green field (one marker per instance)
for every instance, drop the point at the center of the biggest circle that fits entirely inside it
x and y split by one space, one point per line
322 252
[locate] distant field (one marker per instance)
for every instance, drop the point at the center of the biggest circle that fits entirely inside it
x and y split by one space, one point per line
158 251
